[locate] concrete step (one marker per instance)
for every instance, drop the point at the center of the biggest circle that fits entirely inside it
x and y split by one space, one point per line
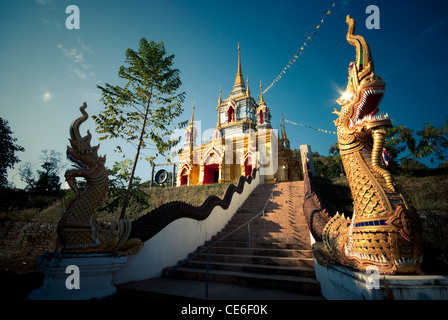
272 252
269 224
253 268
266 237
256 259
307 285
260 244
182 289
272 234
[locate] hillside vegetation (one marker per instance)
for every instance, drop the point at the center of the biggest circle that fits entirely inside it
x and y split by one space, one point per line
156 196
426 188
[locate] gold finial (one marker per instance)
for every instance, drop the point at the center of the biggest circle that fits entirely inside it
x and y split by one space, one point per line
284 129
219 107
261 93
248 90
239 75
192 115
192 134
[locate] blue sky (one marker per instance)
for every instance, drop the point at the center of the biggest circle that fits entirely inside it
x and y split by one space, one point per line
48 71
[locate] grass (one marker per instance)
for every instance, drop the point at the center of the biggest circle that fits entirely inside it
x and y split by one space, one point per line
157 196
427 189
194 195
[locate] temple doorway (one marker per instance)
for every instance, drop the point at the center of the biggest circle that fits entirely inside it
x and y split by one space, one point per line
247 167
184 177
211 173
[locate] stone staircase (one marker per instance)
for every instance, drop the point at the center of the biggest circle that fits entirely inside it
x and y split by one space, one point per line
273 252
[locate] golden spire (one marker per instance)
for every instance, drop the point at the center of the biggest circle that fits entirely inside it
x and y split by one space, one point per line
248 90
192 115
261 94
219 107
239 81
192 134
284 130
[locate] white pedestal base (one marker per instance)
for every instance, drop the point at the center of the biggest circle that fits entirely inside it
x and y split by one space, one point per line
96 276
341 283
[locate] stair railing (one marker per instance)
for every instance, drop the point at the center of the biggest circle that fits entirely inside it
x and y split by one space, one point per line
167 271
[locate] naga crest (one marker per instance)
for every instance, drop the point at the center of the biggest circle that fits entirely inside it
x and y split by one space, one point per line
363 93
78 230
384 231
360 124
87 163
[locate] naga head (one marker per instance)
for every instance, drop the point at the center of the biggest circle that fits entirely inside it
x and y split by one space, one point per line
359 103
87 163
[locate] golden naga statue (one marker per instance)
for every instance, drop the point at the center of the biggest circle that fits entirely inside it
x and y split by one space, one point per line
78 230
385 231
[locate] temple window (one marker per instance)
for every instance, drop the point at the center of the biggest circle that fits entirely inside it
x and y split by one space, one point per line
231 114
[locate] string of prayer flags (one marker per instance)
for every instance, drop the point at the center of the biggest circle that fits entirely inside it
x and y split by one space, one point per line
296 56
309 127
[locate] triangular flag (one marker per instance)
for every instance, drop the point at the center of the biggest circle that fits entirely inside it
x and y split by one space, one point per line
317 27
314 32
301 48
322 21
309 38
329 12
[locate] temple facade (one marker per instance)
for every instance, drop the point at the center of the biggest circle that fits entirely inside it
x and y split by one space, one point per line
242 140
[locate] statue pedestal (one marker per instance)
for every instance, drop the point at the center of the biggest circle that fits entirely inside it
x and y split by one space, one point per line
77 276
341 283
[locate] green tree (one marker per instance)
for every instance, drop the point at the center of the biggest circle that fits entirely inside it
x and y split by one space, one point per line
48 181
118 176
431 141
8 149
145 107
328 166
434 141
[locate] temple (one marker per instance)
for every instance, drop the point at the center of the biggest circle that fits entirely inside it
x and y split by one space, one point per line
242 140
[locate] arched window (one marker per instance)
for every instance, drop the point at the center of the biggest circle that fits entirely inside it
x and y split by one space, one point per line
231 114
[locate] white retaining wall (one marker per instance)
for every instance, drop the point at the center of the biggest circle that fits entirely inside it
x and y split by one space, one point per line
341 283
180 238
